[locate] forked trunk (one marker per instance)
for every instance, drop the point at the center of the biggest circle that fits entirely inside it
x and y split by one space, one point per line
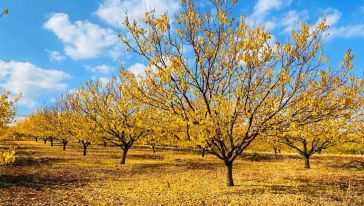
45 141
85 145
229 174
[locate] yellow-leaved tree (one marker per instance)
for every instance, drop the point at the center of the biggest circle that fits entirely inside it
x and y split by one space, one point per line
110 108
7 113
64 120
221 77
327 114
80 126
42 125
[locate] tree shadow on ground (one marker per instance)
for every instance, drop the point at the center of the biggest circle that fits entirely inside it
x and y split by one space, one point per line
145 156
265 157
351 165
24 161
281 189
202 165
37 181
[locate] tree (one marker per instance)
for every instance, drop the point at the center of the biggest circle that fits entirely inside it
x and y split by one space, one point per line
7 113
41 124
222 77
7 110
44 125
84 130
26 127
63 113
79 126
110 108
327 115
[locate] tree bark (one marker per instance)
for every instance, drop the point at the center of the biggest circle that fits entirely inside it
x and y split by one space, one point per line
85 145
203 152
84 150
64 145
123 157
307 162
153 147
229 174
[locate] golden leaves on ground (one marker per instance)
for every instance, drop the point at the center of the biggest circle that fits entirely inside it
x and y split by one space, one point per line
217 84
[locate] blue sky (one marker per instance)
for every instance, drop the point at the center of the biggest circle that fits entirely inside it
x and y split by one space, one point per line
51 47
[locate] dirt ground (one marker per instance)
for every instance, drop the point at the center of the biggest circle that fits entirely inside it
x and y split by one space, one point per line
45 175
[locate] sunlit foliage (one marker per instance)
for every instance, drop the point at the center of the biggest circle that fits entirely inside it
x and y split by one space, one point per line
7 113
229 81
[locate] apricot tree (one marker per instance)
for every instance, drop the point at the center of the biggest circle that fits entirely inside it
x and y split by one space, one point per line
222 77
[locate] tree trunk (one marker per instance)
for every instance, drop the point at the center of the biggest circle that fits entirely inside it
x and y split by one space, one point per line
36 139
153 147
51 139
307 162
229 174
64 145
105 143
123 157
84 148
45 141
203 152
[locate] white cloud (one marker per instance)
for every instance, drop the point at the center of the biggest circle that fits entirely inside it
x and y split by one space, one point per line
31 81
103 68
263 7
138 69
270 25
332 16
113 11
55 56
292 19
349 31
82 39
104 80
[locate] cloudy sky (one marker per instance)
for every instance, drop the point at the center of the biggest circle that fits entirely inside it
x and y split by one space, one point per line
49 47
